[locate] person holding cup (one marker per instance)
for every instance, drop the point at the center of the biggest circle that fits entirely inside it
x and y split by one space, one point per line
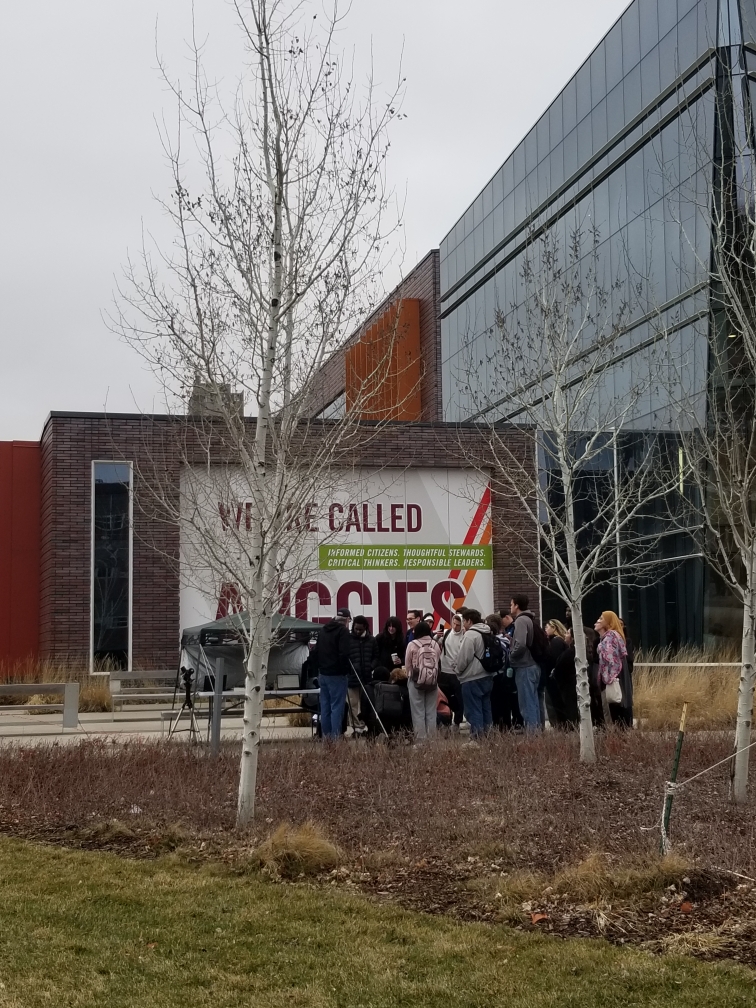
390 648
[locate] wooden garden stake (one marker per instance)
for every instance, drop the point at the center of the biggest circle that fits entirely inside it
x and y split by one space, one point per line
669 791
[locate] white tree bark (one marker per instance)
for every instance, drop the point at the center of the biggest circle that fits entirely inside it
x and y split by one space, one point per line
587 746
260 628
739 776
576 581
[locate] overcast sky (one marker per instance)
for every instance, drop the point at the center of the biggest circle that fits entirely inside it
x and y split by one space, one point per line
82 161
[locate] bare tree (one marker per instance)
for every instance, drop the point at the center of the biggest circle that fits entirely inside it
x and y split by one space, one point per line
717 410
278 252
557 366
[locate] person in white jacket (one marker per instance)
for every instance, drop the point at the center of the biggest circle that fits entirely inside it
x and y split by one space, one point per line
450 643
476 683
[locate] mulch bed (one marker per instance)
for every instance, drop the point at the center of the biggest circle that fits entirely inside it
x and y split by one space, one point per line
433 828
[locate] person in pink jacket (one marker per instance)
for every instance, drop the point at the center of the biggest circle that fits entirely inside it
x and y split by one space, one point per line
612 655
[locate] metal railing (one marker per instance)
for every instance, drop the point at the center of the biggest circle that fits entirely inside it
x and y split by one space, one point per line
69 707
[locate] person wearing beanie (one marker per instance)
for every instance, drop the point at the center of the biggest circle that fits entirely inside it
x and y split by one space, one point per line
330 657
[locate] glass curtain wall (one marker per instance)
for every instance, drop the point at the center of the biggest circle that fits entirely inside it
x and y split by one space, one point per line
625 152
111 564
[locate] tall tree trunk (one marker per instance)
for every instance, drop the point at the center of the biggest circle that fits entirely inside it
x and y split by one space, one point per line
254 694
587 748
259 618
739 773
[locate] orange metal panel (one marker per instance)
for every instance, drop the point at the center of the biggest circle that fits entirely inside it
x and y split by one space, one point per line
20 505
384 368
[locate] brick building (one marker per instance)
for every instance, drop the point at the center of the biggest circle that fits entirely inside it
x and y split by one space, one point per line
87 568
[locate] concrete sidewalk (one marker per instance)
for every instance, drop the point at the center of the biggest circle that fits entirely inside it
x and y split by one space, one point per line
133 723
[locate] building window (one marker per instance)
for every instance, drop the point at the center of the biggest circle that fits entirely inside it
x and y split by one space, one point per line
111 565
335 410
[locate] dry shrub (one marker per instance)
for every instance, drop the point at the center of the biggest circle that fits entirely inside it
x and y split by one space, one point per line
704 944
297 850
712 693
108 831
34 670
595 878
522 803
299 720
116 833
94 690
272 702
41 698
95 698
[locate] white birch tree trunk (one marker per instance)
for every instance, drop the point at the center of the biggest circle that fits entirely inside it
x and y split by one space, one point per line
254 694
587 747
260 619
739 774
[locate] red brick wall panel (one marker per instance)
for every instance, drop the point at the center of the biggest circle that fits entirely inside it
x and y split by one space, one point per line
20 477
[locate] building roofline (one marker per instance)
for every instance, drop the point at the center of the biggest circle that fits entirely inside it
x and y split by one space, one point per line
537 120
414 424
84 414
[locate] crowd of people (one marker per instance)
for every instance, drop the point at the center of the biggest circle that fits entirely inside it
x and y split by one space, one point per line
502 671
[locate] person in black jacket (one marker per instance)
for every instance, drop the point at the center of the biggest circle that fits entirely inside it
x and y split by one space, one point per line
331 658
563 686
390 648
390 651
556 633
362 652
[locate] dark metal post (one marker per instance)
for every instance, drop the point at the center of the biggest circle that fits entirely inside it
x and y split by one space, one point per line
215 725
665 845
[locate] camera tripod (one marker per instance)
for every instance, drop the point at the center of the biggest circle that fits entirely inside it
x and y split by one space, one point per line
187 705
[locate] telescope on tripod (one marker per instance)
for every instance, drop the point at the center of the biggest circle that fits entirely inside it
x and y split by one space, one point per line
187 678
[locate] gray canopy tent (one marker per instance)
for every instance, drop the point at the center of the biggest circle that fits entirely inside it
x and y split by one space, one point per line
225 638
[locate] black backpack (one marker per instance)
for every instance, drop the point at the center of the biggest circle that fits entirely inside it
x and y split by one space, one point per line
389 700
540 645
493 652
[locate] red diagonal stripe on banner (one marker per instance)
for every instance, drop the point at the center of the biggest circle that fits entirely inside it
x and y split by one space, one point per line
477 521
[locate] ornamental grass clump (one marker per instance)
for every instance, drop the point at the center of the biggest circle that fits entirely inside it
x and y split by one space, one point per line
708 683
94 690
297 850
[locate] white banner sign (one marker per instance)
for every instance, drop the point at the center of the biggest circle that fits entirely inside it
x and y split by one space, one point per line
409 539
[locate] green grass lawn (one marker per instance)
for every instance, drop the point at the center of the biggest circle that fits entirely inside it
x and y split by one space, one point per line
81 929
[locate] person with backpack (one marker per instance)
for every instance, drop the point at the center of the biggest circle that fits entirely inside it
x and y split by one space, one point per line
450 644
480 657
422 660
527 671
